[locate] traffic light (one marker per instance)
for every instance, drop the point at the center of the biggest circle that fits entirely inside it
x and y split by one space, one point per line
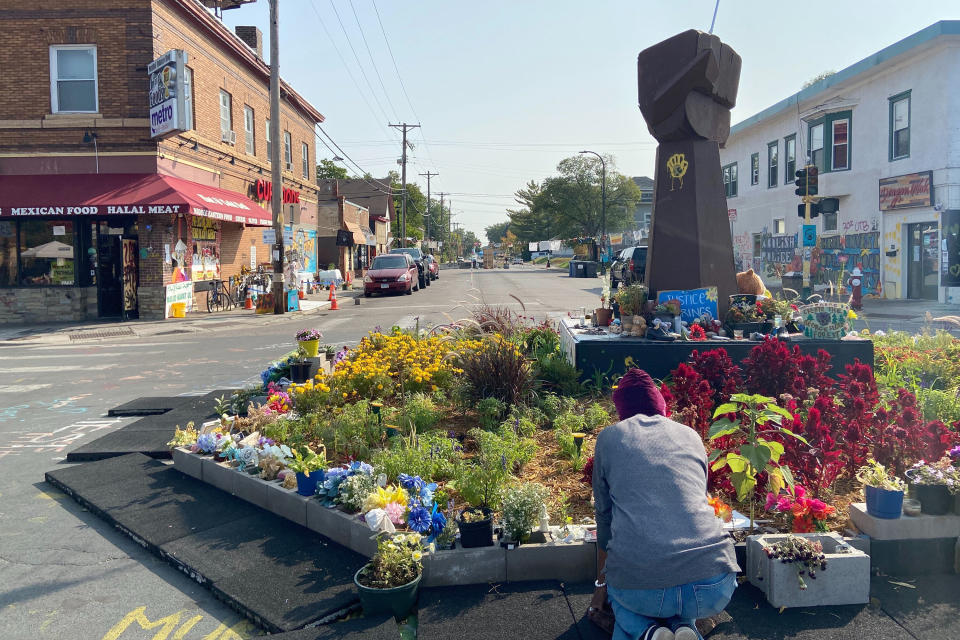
812 172
801 183
814 210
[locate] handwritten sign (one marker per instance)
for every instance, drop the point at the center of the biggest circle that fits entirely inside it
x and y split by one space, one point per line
693 302
181 292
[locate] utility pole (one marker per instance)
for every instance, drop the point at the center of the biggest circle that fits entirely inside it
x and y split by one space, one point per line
447 240
403 161
276 200
429 175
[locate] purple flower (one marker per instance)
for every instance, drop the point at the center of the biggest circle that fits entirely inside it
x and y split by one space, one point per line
419 519
955 453
411 483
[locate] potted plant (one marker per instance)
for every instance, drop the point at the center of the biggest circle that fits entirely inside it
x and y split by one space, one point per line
308 465
749 318
522 506
309 341
481 485
389 582
884 492
447 538
299 367
631 300
931 482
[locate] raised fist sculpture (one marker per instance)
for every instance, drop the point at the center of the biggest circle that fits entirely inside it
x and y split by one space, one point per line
687 86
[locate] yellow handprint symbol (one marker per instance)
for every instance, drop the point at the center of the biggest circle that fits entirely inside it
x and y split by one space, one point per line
677 166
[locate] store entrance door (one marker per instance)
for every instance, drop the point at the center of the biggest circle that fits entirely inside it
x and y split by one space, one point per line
923 260
109 276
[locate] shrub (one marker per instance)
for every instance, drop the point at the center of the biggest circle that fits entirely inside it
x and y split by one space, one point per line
539 341
533 415
570 421
421 412
772 369
519 425
596 417
522 505
352 433
716 367
430 455
496 369
504 447
557 375
490 412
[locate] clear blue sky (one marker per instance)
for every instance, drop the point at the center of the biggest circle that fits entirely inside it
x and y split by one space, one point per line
505 90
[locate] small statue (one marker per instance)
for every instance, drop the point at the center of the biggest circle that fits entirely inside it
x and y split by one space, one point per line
855 282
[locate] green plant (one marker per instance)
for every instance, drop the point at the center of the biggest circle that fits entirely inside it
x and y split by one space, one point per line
538 342
874 474
497 369
556 374
755 453
505 447
420 411
522 427
553 405
306 460
490 412
599 381
561 506
449 533
522 504
354 491
398 561
596 417
430 455
240 400
533 415
223 405
570 422
631 299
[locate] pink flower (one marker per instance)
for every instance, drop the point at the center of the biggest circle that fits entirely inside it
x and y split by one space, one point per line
784 504
771 501
395 511
799 491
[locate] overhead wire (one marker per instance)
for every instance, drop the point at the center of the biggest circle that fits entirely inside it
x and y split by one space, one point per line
357 58
372 61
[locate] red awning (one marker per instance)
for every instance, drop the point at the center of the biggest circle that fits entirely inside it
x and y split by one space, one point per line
123 194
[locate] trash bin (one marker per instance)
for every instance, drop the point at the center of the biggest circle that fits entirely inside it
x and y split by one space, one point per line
571 267
589 270
178 310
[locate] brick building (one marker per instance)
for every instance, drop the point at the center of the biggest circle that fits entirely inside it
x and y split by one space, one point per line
366 204
100 210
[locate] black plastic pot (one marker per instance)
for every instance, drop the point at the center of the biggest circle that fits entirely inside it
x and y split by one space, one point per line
749 328
935 499
300 371
476 534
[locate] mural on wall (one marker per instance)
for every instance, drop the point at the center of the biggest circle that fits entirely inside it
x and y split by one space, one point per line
742 255
950 247
778 255
303 249
836 255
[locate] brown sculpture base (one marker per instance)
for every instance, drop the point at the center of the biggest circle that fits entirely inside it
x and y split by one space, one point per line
690 244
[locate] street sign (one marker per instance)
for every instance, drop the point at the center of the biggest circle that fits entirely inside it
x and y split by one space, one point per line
269 236
809 235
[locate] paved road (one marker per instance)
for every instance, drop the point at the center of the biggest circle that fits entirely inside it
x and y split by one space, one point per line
63 573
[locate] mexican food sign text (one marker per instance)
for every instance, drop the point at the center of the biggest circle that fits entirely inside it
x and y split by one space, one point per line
168 93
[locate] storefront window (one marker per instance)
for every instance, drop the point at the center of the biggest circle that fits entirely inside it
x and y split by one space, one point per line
8 253
47 252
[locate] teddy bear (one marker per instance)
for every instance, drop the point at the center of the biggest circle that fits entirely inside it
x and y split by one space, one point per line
639 327
750 282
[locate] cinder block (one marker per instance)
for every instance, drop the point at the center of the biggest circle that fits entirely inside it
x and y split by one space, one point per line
332 523
575 562
250 488
362 539
188 462
906 527
478 565
846 580
218 474
287 503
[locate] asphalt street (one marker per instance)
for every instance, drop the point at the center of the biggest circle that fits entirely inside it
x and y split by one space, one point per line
63 572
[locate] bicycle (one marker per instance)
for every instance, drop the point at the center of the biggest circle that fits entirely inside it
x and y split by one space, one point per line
219 298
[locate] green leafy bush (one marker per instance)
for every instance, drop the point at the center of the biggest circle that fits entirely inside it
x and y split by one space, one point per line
519 425
556 374
535 415
354 432
421 411
570 421
522 505
490 412
553 405
596 417
430 455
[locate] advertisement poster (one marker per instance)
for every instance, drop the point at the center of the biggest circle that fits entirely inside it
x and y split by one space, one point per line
205 260
168 93
129 275
181 292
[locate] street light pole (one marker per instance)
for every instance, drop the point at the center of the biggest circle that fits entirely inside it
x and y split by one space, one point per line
603 207
276 202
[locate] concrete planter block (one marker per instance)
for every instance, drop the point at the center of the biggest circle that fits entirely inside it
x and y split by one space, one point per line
846 579
287 503
922 527
362 539
332 523
478 565
251 488
576 562
188 462
219 474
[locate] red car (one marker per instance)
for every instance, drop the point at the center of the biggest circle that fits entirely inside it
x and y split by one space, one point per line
433 266
395 272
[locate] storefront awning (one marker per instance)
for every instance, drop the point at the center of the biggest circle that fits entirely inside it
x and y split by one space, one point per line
123 194
354 228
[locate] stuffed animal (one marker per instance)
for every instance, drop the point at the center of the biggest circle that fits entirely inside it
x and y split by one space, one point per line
639 327
750 282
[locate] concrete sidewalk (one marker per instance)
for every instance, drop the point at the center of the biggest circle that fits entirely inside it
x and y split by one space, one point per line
195 322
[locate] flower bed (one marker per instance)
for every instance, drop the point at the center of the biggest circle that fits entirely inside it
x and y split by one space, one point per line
413 428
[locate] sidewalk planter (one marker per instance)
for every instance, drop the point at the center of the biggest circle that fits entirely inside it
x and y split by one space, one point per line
882 503
312 347
307 485
300 371
935 499
846 580
397 601
476 534
187 462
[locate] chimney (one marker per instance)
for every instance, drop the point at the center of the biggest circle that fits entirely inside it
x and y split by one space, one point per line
253 37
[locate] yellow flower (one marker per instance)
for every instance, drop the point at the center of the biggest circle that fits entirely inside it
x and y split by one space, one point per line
851 315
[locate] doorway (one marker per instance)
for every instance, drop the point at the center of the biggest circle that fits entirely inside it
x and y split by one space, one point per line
923 260
109 276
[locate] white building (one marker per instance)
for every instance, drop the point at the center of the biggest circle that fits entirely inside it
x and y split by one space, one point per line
885 134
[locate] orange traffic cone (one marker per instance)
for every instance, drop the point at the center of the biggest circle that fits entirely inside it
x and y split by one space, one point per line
333 298
248 303
330 296
301 294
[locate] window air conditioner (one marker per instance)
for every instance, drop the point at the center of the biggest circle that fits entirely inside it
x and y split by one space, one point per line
289 166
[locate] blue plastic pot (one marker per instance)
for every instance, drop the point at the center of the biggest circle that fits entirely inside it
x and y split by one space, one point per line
307 485
885 504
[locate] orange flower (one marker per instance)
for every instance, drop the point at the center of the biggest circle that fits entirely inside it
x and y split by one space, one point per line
720 509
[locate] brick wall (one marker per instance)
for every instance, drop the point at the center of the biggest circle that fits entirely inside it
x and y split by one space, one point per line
47 304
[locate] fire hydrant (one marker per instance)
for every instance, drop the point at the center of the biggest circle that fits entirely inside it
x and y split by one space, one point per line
855 282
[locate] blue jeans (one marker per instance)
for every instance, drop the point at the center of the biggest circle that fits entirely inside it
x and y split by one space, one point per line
637 609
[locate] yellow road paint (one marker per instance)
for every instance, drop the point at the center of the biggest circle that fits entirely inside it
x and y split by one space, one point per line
137 620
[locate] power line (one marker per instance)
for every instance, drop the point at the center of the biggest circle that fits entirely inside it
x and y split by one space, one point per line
357 58
372 61
347 67
379 186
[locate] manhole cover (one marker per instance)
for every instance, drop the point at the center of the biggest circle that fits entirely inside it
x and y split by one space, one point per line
92 334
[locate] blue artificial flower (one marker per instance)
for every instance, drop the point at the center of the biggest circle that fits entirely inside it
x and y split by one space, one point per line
207 442
411 483
438 522
366 468
426 494
419 519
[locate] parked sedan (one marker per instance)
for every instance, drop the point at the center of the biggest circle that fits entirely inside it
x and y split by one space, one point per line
417 256
630 267
433 267
392 273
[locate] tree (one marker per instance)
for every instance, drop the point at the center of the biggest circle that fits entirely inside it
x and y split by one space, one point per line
533 221
574 197
416 207
496 232
328 169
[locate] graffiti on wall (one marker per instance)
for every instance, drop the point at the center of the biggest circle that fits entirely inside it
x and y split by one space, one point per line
742 251
836 255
